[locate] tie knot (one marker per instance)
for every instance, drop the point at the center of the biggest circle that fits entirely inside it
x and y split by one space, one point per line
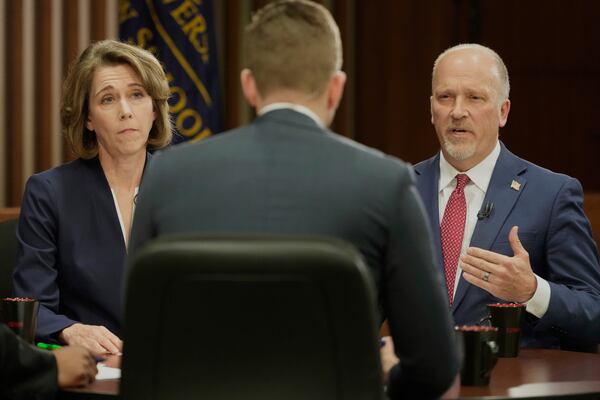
461 181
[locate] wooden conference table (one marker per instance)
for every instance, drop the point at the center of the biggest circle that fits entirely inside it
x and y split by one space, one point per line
534 374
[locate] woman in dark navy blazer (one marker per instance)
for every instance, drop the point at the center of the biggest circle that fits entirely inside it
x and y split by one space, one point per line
75 218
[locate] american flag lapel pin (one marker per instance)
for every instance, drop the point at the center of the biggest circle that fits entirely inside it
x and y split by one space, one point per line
515 185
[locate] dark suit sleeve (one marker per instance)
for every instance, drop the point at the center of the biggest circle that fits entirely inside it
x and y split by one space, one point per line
415 303
36 271
25 372
573 272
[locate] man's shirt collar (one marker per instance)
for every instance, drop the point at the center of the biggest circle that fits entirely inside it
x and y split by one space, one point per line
480 175
296 107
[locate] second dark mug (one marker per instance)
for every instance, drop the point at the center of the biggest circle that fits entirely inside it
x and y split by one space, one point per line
480 354
507 317
20 314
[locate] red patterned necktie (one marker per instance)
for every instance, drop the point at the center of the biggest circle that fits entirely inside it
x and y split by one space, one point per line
452 230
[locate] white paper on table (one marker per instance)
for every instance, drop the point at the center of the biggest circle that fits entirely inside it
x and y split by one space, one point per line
105 372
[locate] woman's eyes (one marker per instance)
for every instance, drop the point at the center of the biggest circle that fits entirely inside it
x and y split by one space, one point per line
109 99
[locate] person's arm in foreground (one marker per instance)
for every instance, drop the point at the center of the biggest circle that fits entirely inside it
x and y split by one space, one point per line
415 303
27 372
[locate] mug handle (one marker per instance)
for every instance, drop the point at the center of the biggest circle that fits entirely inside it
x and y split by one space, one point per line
490 356
485 319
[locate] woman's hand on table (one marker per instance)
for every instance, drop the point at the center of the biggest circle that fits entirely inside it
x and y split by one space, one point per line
97 339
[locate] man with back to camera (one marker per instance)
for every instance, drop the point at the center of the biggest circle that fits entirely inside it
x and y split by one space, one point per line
506 230
286 173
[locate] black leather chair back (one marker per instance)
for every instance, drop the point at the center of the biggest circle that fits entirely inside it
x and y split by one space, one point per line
8 253
250 318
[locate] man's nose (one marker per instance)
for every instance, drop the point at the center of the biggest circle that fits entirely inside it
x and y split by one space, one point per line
459 110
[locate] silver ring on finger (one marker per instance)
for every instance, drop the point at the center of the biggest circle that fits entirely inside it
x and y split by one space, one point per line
486 276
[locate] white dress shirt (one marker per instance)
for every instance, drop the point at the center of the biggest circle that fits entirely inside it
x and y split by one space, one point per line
292 106
125 238
479 180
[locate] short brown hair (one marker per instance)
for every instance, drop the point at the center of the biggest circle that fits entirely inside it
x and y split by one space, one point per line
292 44
77 85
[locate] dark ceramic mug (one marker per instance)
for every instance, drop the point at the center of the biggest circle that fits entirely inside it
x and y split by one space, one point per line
507 317
480 353
20 314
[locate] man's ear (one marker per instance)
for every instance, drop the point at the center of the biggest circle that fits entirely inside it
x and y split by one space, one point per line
249 87
504 110
335 90
431 108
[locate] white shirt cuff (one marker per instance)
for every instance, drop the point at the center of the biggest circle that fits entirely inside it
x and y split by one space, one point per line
538 304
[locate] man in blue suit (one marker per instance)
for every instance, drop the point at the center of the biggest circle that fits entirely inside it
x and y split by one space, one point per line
506 230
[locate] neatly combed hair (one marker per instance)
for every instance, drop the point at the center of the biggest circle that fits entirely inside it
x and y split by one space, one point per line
500 66
292 44
74 105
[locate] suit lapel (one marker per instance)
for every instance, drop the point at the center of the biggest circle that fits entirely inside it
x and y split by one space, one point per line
102 201
428 176
506 185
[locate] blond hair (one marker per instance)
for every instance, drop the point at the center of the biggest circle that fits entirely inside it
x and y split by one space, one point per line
292 44
76 93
